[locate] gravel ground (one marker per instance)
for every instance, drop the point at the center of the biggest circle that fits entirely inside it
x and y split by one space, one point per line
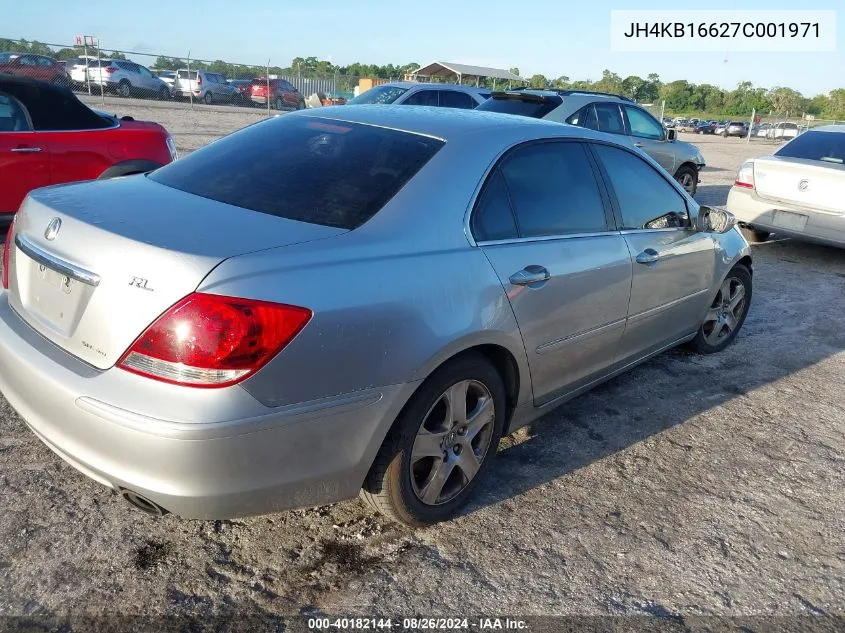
691 486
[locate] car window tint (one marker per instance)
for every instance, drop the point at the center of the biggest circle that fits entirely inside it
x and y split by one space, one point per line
643 125
816 145
320 171
646 200
609 118
27 60
12 115
45 61
521 105
553 190
493 216
423 97
456 99
585 117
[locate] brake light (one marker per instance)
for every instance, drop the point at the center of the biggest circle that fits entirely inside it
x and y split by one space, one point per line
745 175
209 340
111 69
7 249
199 80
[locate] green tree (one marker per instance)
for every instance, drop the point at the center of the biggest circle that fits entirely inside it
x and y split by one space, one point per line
632 87
609 82
787 100
538 81
677 95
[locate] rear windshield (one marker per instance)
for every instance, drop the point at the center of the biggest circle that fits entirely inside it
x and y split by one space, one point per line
319 171
825 146
183 74
523 107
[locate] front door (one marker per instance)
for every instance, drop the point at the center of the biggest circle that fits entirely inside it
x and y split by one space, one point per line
673 263
542 223
647 134
24 159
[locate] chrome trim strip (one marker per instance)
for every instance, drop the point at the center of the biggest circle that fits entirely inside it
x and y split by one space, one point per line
546 347
546 238
687 229
665 306
51 261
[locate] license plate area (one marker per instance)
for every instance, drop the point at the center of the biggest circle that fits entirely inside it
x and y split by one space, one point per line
790 220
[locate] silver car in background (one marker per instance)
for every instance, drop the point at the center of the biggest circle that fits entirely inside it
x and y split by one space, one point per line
203 85
423 94
369 307
126 78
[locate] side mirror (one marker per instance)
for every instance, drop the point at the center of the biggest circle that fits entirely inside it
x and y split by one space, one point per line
714 220
671 135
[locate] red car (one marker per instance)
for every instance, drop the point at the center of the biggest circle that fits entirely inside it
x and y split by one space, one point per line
283 95
33 66
48 136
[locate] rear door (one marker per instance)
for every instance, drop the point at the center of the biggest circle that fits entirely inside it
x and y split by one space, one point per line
543 222
673 263
24 158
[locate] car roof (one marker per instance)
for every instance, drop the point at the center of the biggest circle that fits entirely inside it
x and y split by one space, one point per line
437 86
446 123
829 128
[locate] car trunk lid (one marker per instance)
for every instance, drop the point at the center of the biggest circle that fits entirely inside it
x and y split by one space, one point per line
807 183
95 263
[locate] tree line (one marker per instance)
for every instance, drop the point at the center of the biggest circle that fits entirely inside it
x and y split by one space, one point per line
681 96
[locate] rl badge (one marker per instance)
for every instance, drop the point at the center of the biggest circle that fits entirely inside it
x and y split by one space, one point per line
139 282
52 229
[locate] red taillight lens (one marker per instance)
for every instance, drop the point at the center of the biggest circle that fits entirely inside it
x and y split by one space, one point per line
111 69
7 250
213 341
745 176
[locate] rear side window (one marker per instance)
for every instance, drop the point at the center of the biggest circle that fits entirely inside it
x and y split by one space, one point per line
423 98
320 171
609 118
585 117
456 99
521 105
824 146
12 115
646 200
493 218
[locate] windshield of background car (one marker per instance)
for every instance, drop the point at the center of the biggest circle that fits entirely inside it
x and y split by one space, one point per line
379 94
320 171
824 146
528 106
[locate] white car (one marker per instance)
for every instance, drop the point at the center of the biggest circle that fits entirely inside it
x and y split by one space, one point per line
783 130
797 192
77 68
763 130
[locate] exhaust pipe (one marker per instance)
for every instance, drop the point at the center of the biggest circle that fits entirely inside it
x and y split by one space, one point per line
142 503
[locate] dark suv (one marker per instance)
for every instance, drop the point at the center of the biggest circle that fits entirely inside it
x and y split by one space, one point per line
609 113
283 95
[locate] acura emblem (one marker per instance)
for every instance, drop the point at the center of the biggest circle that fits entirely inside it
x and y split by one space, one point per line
803 185
52 229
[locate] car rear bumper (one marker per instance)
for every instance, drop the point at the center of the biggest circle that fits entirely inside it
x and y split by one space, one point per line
259 100
821 226
259 461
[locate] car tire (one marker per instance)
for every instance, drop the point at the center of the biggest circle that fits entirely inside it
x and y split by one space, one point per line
687 177
124 88
164 94
753 235
722 322
407 482
279 103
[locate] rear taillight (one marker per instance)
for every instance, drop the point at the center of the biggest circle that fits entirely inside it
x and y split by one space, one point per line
745 175
111 69
213 341
7 250
199 80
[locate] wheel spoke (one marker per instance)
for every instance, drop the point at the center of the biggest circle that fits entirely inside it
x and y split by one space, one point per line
468 462
738 296
712 315
725 290
715 333
730 321
427 444
480 417
430 492
457 400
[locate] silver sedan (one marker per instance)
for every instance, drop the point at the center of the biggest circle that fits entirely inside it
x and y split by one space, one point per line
370 306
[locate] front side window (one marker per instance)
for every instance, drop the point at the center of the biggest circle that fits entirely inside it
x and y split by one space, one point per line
12 115
642 124
646 200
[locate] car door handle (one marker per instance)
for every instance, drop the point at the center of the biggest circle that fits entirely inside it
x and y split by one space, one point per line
638 144
648 256
530 275
26 150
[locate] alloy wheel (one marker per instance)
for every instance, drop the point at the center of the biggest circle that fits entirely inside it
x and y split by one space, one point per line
726 311
452 442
